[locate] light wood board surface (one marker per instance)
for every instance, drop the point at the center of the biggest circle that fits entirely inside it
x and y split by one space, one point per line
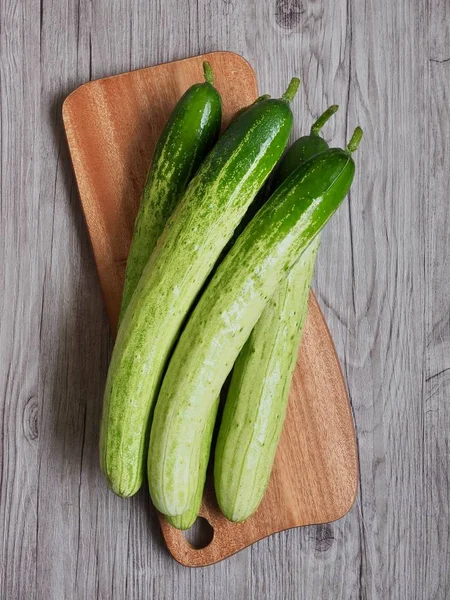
112 126
381 280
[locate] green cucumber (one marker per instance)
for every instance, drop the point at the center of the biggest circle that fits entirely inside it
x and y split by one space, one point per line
200 226
225 315
188 517
303 148
244 108
294 291
256 403
300 151
189 134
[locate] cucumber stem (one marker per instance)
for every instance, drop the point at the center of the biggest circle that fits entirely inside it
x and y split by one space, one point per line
208 73
355 140
292 89
317 125
262 98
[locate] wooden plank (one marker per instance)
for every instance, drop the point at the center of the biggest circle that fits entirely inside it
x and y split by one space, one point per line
20 297
313 40
74 340
436 406
370 275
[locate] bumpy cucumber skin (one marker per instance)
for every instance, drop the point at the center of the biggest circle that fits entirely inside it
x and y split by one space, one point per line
256 403
190 133
290 304
188 517
225 316
300 151
200 226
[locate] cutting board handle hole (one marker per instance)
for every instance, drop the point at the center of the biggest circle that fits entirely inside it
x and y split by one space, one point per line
200 534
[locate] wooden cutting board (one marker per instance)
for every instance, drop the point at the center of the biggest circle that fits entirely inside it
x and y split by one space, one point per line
112 126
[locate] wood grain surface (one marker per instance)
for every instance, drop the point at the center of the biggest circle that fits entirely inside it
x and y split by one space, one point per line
381 280
112 126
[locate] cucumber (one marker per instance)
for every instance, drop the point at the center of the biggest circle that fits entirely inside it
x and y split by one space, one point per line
256 403
189 516
244 108
303 148
200 226
291 302
227 312
190 133
300 151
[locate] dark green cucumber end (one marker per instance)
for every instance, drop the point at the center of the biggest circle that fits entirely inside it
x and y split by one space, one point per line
317 125
208 73
355 140
292 90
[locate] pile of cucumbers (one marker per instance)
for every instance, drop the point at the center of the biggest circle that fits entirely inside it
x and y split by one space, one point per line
217 280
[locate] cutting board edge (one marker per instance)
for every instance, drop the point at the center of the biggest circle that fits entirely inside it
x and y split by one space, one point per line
125 74
179 559
353 469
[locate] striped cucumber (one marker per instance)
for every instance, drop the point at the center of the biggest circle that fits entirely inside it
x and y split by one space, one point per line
200 226
300 151
256 403
294 291
188 136
226 314
188 517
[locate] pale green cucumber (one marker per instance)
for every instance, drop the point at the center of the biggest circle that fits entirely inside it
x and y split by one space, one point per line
288 309
186 520
202 223
256 403
225 315
189 516
188 136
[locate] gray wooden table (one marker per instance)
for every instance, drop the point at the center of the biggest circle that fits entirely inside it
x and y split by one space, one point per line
382 279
